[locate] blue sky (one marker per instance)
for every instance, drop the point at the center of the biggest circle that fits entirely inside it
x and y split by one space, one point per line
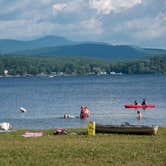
132 22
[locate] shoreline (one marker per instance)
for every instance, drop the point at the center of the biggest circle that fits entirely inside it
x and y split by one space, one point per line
65 128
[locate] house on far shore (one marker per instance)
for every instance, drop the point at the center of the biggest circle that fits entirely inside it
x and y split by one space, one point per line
114 73
6 72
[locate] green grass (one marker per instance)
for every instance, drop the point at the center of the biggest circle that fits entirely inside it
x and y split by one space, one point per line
83 150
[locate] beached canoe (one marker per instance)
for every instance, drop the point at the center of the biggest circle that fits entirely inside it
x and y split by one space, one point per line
139 106
127 129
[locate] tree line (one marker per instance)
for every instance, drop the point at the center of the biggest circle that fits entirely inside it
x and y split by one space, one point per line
34 65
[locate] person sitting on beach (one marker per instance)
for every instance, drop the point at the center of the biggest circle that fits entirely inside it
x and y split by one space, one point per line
139 115
144 102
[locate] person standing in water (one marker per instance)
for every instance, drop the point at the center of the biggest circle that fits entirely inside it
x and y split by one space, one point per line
139 115
85 113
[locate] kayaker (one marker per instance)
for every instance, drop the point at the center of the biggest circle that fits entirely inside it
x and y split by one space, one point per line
144 102
139 115
135 102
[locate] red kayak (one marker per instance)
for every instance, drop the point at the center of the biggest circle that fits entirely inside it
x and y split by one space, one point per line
139 106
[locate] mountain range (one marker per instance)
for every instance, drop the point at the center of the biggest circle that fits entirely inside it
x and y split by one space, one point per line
60 46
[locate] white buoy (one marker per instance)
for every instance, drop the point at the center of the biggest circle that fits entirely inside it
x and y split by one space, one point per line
23 109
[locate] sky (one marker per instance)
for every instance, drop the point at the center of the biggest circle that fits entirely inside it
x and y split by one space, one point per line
131 22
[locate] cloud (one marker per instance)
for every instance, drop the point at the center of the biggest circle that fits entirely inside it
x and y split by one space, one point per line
46 2
70 6
154 28
144 29
86 29
25 9
91 26
13 6
132 21
59 7
105 7
24 29
102 6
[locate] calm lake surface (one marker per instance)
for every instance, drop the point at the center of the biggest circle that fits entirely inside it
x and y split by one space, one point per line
48 99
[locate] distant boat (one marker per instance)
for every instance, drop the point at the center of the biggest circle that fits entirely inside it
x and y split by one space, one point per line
23 109
52 76
114 73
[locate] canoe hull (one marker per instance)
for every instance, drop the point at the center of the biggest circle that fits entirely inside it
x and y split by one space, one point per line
129 129
139 106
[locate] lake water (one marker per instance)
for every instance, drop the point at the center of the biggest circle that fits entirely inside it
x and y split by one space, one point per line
48 99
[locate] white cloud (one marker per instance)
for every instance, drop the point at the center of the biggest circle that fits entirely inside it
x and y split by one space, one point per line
70 6
102 6
107 6
59 7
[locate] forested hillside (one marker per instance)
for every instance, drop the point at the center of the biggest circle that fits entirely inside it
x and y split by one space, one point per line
45 65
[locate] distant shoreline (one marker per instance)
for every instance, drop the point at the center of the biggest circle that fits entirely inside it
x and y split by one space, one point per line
68 75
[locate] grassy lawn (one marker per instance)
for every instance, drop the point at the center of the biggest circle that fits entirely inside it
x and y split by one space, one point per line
73 150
